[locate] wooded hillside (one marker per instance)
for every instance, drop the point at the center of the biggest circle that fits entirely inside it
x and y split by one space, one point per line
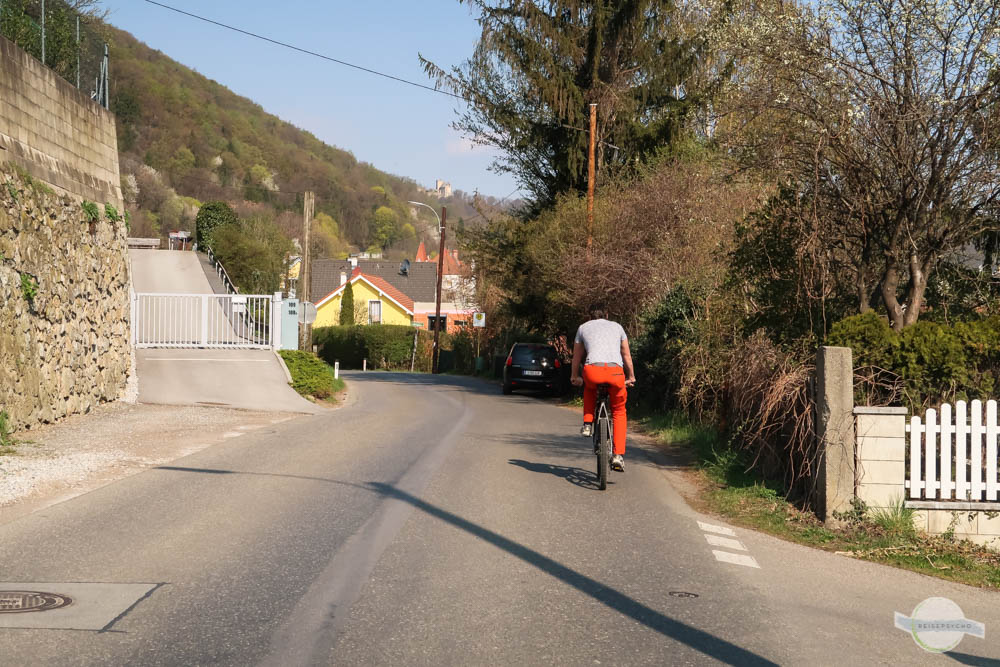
185 139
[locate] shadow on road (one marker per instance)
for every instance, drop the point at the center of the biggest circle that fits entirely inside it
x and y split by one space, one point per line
704 642
974 660
578 476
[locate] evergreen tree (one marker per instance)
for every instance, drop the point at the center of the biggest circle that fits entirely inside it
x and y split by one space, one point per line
347 306
538 66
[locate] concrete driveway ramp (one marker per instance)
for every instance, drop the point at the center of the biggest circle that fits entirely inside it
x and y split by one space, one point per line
246 379
234 378
168 272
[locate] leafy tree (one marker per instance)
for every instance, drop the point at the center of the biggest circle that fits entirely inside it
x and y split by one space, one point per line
538 66
210 217
254 253
384 227
882 114
347 305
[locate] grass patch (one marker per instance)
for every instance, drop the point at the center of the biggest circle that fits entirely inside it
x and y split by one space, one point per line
7 442
311 376
886 536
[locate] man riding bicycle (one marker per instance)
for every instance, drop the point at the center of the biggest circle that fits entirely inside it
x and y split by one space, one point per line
602 346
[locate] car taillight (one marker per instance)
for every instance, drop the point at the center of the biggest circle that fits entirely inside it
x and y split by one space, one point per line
510 361
557 364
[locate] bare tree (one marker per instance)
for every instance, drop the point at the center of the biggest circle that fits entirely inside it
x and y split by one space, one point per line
881 116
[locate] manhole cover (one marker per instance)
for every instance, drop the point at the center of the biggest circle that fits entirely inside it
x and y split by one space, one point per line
682 594
16 602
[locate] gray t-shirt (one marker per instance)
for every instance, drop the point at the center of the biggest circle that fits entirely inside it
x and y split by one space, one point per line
603 340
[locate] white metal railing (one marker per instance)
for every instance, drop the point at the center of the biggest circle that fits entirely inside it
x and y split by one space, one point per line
221 271
954 457
204 320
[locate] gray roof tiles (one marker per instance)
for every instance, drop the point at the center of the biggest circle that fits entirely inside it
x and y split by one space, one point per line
419 285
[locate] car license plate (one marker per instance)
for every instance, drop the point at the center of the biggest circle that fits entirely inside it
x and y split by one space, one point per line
532 372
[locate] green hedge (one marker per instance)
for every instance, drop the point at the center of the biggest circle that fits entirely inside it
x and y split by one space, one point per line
385 346
311 376
935 362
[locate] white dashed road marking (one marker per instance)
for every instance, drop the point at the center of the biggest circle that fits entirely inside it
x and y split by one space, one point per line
735 559
233 434
722 530
726 542
714 537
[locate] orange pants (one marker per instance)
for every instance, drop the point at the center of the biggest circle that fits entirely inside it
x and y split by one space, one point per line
614 377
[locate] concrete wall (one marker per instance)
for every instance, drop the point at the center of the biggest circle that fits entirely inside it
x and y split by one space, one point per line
67 348
55 131
882 460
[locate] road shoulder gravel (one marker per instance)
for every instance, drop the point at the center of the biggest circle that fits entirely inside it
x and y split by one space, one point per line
60 461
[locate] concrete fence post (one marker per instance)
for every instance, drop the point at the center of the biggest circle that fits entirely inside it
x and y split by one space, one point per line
835 430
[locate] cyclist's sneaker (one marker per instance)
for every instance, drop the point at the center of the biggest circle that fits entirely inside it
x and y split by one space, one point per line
618 463
587 430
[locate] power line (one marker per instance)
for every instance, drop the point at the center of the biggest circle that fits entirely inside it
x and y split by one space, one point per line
308 52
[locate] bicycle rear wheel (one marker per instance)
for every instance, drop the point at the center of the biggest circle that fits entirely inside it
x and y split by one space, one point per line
603 452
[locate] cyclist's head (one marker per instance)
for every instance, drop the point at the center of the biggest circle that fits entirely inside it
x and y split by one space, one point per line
598 311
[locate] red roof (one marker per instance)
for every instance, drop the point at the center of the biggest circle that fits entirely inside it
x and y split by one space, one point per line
452 265
380 284
421 253
383 286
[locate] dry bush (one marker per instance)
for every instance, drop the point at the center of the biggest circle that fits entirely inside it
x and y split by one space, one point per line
769 396
673 225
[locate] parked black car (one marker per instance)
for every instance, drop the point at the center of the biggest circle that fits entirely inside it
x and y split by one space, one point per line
532 366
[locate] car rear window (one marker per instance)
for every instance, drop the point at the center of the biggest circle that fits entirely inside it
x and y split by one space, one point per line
525 354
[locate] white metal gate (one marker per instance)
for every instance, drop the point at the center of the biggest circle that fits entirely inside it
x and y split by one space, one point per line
205 320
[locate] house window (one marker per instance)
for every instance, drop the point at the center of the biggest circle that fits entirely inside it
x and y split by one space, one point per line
432 323
374 312
461 324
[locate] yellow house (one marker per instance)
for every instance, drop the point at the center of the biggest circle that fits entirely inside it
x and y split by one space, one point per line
375 302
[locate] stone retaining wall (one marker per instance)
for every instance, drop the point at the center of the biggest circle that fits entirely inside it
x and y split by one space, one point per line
66 348
55 131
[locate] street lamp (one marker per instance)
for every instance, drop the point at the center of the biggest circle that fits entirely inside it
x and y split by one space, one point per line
442 219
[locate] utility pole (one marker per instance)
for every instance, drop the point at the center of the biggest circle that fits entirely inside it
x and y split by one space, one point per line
437 308
591 177
305 333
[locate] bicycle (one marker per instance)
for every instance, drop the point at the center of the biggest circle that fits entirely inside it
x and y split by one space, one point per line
603 438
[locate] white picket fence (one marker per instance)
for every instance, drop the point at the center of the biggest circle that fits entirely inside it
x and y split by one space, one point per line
954 457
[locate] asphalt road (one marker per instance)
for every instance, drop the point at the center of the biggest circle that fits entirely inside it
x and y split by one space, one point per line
435 522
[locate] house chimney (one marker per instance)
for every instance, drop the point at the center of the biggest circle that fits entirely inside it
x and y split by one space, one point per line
343 277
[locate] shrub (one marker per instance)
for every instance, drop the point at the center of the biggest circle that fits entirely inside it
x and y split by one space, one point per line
112 213
935 363
90 209
870 338
211 216
311 376
385 346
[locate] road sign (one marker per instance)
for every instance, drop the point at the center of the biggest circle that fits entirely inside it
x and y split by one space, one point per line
307 312
479 320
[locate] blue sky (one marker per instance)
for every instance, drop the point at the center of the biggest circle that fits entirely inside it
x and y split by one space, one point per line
398 128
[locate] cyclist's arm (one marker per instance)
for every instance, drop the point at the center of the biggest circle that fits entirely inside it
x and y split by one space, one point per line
578 352
627 361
